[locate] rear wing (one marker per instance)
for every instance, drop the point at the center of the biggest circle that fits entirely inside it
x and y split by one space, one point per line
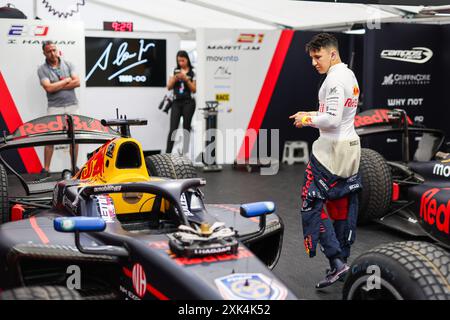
52 130
375 121
60 123
376 117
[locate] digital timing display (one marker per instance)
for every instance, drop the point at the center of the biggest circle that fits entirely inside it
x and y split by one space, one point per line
118 26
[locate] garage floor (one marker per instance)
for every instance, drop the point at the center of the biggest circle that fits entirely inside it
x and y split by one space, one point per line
294 268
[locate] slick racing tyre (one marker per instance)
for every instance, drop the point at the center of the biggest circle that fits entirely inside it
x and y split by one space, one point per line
409 270
4 201
170 166
40 293
375 196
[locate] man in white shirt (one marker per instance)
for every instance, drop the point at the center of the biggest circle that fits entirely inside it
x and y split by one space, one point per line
335 155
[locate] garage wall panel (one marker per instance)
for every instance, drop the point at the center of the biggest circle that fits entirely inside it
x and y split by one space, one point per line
404 67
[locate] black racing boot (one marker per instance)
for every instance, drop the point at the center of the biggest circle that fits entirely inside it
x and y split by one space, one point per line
338 271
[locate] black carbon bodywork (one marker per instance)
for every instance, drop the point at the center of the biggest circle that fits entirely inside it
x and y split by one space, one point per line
422 207
33 253
431 199
130 259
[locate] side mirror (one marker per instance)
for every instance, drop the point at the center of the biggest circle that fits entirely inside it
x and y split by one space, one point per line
256 209
80 224
88 224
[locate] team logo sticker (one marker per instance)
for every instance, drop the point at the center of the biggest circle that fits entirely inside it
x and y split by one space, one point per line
247 286
333 91
139 280
414 55
105 206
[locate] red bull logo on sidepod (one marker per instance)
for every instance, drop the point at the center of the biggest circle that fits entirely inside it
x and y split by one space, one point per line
434 211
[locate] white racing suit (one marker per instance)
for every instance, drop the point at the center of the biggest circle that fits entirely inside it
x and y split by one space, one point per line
337 152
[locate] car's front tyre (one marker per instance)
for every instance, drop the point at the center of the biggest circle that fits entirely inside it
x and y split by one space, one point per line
409 270
40 293
170 166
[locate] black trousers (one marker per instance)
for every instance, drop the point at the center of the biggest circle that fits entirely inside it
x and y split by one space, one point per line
185 108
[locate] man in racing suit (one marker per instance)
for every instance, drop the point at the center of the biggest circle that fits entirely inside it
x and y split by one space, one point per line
331 177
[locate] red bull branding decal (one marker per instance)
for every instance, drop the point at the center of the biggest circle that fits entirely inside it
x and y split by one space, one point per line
435 212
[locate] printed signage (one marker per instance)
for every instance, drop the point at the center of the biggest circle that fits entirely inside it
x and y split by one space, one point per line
236 63
405 73
120 62
414 55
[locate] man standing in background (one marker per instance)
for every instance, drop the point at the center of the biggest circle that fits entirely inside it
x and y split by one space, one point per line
59 80
332 178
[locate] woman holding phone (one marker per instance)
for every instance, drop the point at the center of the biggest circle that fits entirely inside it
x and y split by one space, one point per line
183 83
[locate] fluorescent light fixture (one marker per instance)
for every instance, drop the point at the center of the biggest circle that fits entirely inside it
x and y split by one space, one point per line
356 31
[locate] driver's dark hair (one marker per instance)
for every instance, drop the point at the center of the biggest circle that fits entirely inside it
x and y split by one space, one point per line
322 40
184 54
46 43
